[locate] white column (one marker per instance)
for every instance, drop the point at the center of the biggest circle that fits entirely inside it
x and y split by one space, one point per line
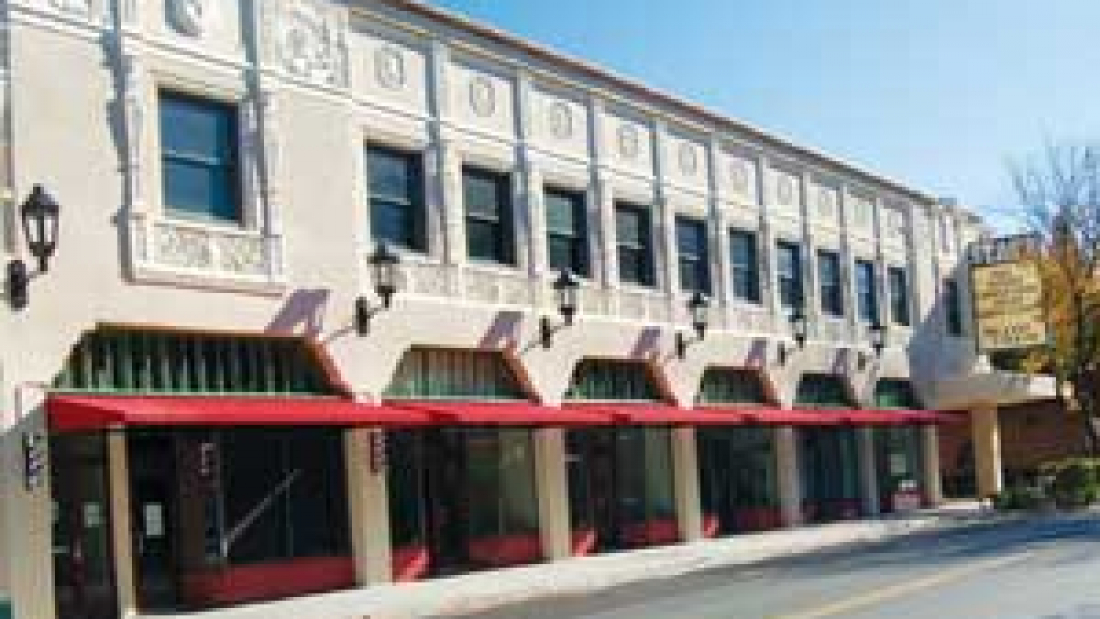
368 507
868 475
788 475
6 500
553 493
118 471
986 437
685 467
933 484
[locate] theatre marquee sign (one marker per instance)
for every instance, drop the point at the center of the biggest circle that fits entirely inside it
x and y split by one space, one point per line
1008 295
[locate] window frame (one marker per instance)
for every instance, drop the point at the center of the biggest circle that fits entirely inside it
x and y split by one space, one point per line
867 301
578 238
697 261
832 292
797 280
416 239
900 304
643 246
233 168
750 271
505 249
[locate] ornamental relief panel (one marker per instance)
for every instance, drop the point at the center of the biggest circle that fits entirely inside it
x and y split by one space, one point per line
194 18
311 42
389 67
80 8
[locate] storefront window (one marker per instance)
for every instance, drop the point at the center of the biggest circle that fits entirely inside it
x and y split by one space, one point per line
501 474
405 485
899 457
646 499
738 479
830 473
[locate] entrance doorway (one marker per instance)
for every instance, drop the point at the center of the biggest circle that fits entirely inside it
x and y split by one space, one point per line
153 505
84 585
737 478
461 499
620 488
830 474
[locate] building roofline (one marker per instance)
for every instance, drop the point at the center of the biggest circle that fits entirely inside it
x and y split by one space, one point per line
678 103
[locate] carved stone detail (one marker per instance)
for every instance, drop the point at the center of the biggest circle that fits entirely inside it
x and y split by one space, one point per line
483 97
630 143
183 247
826 203
311 43
560 120
389 67
191 17
739 176
689 159
82 8
784 190
242 255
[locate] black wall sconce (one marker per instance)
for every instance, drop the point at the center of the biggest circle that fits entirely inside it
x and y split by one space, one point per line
385 264
799 329
877 334
566 289
698 306
40 215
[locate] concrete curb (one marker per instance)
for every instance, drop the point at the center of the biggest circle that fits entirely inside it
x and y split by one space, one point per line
482 591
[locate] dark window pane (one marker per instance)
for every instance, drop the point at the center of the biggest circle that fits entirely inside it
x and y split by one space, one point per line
567 240
789 266
899 295
866 291
634 239
694 262
745 266
488 201
832 290
954 308
199 158
397 208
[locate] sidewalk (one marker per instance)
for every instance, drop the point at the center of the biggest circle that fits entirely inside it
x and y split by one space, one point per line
479 591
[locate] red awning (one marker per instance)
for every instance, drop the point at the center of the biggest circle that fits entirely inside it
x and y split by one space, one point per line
660 414
511 413
70 413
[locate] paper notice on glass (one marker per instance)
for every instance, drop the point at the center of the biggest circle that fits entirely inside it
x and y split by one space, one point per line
154 520
93 515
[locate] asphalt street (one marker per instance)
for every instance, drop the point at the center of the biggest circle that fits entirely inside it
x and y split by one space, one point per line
1045 569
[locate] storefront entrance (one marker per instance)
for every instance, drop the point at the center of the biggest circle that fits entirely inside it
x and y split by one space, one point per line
737 477
461 499
899 463
84 585
829 458
620 488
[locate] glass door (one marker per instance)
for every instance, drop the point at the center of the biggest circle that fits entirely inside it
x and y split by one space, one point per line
152 482
84 585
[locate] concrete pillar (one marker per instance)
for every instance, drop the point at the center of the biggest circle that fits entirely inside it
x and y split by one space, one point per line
986 436
552 485
868 475
6 499
122 545
685 471
930 460
368 506
788 475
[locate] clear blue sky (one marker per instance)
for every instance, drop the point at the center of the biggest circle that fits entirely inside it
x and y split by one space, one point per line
938 93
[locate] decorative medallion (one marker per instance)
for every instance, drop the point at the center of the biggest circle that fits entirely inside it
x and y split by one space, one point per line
560 120
483 98
389 67
826 202
629 142
310 44
191 17
739 176
689 159
785 189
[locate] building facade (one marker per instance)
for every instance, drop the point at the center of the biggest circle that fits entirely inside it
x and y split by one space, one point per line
227 410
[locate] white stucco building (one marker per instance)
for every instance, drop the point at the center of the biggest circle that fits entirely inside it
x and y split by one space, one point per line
226 168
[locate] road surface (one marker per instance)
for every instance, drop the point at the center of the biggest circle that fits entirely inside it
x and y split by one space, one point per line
1046 569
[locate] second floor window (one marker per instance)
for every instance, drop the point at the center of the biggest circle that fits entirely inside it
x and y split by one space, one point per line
899 295
831 281
395 185
953 307
866 296
487 197
566 232
199 167
789 273
634 242
692 254
745 266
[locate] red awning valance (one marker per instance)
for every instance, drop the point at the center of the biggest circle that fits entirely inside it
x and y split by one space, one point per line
659 414
70 413
510 413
